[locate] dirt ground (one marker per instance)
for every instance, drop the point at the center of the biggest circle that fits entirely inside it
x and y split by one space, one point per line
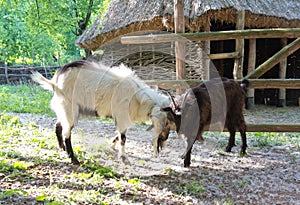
266 175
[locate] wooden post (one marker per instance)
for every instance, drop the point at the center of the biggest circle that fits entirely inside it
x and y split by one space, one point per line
282 75
6 72
251 67
45 69
221 61
140 59
179 45
239 47
127 54
205 53
172 50
153 54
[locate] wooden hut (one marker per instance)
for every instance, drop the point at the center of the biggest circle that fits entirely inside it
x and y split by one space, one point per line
157 61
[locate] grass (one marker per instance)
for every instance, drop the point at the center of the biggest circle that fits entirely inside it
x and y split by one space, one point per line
29 154
25 99
257 139
269 139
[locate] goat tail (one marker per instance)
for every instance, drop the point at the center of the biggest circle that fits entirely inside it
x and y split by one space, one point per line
44 82
245 84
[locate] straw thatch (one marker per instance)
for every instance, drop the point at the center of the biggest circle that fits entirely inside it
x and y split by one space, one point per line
125 17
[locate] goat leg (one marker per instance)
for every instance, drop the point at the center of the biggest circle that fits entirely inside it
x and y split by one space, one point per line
244 142
114 142
70 151
200 137
58 131
187 159
231 141
189 141
121 155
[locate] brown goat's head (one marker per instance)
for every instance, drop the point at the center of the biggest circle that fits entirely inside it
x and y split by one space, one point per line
174 110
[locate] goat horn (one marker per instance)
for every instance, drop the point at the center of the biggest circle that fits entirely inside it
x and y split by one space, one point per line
173 101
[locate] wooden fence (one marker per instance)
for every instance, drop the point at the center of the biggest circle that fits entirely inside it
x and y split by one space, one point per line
254 83
21 74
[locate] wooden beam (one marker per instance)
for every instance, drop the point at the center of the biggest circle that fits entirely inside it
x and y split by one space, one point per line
214 36
223 55
264 128
273 128
271 62
239 47
254 83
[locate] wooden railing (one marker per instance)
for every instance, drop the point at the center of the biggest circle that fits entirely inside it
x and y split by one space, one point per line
254 83
17 74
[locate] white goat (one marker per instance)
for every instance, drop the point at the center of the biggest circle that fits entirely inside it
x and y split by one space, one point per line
83 87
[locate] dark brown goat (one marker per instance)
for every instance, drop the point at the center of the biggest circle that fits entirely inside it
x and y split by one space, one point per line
217 101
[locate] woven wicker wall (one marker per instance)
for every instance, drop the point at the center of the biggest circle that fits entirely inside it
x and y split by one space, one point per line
153 61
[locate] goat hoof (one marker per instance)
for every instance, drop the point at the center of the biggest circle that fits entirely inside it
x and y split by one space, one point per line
242 154
113 146
62 147
155 154
75 161
228 149
200 138
124 159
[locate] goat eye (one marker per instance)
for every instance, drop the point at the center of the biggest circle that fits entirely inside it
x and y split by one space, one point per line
178 111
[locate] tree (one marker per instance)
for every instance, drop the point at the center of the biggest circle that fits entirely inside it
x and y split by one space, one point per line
43 30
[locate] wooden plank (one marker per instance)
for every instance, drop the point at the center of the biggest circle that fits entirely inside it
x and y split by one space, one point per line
273 128
216 56
214 36
271 62
239 47
265 128
254 83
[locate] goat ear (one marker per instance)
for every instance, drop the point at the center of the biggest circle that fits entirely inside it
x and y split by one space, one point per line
171 115
177 111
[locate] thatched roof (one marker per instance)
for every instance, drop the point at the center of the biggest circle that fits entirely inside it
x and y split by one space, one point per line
125 17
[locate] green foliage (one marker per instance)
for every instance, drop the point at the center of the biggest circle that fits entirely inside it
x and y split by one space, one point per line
268 139
25 99
99 170
195 188
38 31
12 192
